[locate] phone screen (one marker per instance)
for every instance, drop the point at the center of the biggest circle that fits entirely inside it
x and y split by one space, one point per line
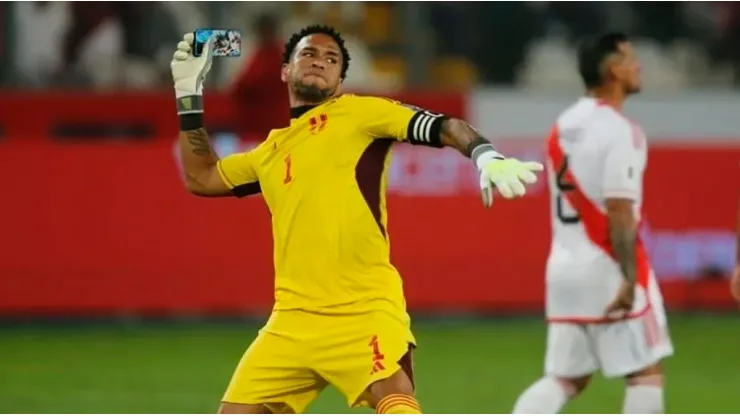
228 42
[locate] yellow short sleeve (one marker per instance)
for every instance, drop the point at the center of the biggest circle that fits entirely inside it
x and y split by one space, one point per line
237 169
383 117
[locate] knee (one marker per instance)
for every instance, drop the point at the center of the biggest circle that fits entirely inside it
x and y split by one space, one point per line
650 376
574 386
397 384
394 394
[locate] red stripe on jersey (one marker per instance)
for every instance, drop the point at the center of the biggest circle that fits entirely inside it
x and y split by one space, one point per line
596 225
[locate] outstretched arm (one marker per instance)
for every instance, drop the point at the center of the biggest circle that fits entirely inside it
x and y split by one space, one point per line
383 118
461 135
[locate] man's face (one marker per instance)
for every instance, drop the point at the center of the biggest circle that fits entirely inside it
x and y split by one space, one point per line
626 69
314 71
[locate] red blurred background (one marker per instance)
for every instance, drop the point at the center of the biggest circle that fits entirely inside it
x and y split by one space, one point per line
105 227
95 220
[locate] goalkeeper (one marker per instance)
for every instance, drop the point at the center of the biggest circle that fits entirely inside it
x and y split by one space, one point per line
340 315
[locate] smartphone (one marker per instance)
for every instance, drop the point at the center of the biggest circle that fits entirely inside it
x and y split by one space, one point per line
228 42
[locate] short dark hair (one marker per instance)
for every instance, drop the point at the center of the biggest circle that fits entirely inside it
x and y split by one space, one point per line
317 29
591 55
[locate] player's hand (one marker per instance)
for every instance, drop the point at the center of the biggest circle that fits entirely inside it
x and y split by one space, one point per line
188 71
508 176
623 303
735 283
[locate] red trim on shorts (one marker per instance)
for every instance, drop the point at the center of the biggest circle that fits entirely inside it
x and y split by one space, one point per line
605 320
596 225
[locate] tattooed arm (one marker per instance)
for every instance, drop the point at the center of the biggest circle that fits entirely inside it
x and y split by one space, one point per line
624 164
460 135
623 236
200 164
384 119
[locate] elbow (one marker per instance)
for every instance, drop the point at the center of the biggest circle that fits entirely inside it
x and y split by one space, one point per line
194 186
197 191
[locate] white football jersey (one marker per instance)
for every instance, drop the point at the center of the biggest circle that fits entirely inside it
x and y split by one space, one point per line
593 153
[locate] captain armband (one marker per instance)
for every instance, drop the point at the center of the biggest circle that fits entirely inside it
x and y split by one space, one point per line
425 128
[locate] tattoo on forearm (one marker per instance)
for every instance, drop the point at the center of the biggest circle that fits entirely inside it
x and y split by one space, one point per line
623 240
201 144
458 134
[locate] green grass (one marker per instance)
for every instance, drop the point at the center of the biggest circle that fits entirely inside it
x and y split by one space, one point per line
467 367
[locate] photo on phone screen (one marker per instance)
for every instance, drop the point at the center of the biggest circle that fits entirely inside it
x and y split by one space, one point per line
228 42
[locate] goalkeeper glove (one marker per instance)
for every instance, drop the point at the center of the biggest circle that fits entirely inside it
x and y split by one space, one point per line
504 175
189 72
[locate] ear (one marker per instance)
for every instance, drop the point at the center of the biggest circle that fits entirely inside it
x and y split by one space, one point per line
609 70
284 73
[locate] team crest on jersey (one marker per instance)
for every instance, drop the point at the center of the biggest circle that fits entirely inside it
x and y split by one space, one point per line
317 123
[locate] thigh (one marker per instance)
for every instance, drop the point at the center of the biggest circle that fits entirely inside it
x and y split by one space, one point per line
368 349
633 345
569 352
274 373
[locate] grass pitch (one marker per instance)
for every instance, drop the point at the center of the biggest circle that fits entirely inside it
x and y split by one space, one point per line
461 367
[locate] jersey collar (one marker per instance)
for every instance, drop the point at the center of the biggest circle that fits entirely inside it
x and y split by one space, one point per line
296 112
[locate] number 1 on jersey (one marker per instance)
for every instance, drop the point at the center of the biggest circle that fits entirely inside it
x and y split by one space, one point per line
563 187
288 163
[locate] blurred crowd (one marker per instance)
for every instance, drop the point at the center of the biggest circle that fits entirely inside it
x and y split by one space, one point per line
111 45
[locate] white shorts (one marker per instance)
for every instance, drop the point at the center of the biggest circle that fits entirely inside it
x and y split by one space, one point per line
617 349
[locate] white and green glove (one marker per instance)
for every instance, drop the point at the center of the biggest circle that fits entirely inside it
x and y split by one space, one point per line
507 176
189 72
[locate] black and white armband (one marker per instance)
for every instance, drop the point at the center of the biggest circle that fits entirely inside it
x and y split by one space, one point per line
425 128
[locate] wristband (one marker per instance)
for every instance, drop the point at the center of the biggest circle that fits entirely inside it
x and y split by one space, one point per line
192 121
481 151
189 104
190 110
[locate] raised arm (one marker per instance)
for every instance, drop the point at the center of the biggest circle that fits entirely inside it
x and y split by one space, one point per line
385 118
205 174
200 162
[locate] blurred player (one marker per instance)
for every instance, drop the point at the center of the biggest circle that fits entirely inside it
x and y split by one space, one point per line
735 283
604 308
340 315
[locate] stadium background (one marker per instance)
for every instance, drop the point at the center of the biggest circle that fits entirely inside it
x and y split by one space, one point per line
121 293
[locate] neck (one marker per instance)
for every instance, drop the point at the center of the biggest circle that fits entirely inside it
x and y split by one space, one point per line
297 102
611 95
